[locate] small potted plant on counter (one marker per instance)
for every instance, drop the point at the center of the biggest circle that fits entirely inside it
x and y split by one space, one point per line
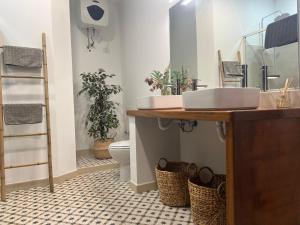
166 82
102 117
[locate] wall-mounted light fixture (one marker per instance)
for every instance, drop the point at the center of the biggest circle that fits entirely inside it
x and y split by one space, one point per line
181 2
186 2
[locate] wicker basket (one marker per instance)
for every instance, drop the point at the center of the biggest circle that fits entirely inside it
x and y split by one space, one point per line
172 181
208 201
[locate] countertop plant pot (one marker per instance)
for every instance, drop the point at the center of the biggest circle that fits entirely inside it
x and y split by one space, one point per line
100 149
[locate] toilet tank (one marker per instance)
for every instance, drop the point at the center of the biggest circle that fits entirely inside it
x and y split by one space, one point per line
94 13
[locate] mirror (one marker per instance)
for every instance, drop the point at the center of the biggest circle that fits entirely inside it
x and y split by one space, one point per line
236 43
183 38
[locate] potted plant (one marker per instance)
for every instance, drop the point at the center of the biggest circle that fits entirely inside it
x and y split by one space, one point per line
166 82
102 117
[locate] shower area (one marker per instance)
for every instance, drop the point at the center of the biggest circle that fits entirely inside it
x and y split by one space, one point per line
271 53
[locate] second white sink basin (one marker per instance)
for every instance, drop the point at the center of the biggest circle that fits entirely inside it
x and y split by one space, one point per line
222 98
160 102
268 100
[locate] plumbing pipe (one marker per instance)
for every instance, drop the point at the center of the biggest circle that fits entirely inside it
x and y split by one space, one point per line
162 126
182 124
221 130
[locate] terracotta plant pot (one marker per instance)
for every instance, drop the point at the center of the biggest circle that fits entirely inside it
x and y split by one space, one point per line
100 149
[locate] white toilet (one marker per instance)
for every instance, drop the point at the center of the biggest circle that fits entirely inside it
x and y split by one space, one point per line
120 151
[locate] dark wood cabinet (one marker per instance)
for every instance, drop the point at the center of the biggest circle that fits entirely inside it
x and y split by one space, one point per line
263 162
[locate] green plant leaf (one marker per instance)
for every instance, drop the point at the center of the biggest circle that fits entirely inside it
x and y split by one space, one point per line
102 117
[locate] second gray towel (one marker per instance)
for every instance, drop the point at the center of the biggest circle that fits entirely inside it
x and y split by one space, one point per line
18 114
232 69
20 56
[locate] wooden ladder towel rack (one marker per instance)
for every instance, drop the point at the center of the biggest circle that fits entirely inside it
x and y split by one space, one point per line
222 79
47 133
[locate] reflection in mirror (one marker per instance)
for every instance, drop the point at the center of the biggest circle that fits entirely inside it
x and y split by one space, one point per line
236 43
271 52
183 38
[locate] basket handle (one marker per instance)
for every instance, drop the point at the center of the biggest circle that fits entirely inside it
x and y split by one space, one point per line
210 171
222 191
162 161
192 170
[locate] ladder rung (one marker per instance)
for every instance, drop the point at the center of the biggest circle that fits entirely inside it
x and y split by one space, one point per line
26 165
27 103
23 77
24 135
231 81
3 47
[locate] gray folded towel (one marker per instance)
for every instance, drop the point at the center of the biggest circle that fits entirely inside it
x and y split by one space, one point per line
18 114
24 57
232 69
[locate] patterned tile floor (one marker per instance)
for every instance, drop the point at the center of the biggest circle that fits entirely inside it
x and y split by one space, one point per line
96 198
87 159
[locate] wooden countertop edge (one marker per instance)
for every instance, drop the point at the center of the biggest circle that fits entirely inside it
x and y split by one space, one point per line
223 115
182 114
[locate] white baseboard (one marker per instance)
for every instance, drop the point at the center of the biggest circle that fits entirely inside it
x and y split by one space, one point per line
143 187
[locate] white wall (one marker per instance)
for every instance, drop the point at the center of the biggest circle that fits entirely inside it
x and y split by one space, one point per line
106 55
286 6
148 145
203 147
145 44
21 24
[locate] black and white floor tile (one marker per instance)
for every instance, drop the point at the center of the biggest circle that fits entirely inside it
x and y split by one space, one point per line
90 199
87 159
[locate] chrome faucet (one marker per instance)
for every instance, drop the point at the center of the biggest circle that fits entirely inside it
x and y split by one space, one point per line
195 85
245 73
266 77
265 80
176 89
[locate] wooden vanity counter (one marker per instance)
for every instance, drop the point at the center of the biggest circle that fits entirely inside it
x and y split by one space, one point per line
263 162
224 115
182 114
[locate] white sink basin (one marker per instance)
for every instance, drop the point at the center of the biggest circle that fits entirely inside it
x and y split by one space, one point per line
160 102
222 98
268 100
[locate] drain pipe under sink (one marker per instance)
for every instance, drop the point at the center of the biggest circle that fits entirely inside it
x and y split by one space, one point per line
187 126
221 130
162 126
